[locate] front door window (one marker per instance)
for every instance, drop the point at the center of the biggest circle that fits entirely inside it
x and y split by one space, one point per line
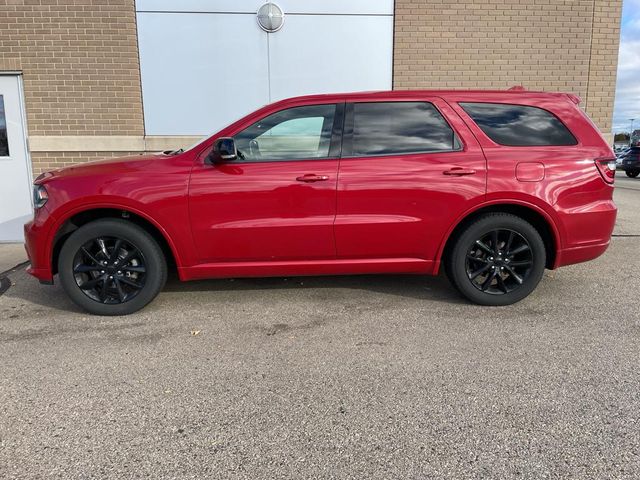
294 134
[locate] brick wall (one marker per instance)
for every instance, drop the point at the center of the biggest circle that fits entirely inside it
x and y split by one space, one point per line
604 62
79 61
47 161
564 45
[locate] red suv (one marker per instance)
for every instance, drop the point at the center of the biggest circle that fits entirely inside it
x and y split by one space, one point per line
495 186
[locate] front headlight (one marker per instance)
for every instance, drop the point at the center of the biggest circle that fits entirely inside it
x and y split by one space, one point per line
40 196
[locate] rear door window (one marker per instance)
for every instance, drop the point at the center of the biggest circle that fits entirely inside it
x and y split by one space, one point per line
519 125
392 128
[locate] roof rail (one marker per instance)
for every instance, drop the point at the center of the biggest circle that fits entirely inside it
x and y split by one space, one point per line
517 88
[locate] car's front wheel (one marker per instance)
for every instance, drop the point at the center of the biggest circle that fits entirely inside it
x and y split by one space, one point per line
111 267
632 173
498 259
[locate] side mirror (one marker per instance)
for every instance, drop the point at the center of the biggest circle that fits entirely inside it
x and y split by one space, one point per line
224 150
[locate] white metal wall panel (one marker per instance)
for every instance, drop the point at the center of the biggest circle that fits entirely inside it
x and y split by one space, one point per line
200 71
205 63
332 53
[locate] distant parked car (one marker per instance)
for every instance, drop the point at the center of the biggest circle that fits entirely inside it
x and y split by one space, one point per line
631 162
620 153
494 187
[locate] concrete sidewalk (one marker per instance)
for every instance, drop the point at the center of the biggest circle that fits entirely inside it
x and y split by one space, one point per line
11 254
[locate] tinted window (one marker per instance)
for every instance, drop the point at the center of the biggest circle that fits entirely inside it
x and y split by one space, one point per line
4 142
400 127
519 126
295 133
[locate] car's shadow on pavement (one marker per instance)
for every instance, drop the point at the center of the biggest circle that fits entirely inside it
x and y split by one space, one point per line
421 287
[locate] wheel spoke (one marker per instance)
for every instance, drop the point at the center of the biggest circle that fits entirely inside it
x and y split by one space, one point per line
116 249
477 273
520 249
121 294
134 268
103 247
130 282
91 257
501 285
86 268
488 281
484 247
507 247
515 276
523 263
91 284
103 290
494 240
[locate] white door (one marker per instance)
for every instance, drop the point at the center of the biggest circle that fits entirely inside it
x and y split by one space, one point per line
15 171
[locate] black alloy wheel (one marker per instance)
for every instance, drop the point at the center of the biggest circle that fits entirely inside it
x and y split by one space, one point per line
111 267
497 259
499 262
110 270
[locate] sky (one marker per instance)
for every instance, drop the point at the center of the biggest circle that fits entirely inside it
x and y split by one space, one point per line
628 88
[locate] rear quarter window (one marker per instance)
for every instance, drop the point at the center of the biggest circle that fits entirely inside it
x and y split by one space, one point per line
519 125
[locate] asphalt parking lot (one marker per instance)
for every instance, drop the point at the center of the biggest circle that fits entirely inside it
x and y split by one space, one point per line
353 377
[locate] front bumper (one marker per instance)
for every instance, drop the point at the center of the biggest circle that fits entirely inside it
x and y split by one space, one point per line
37 245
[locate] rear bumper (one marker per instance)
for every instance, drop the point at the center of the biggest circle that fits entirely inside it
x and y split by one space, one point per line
587 233
571 256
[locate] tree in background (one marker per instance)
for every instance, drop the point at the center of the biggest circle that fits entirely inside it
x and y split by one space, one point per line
621 138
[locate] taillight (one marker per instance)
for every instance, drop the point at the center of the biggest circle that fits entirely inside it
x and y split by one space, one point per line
607 168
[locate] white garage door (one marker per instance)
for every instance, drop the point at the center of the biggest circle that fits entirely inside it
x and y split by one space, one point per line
205 63
15 173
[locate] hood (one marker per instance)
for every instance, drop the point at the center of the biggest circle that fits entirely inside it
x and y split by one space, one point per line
107 166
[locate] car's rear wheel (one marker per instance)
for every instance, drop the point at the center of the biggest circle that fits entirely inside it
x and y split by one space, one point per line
498 259
632 173
111 267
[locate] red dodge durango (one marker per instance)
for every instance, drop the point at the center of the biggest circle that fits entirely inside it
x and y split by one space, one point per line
492 186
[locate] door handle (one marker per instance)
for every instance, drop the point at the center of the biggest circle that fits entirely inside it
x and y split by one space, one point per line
312 177
459 172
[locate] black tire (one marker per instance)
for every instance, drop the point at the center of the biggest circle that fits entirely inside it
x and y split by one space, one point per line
632 173
466 258
135 273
